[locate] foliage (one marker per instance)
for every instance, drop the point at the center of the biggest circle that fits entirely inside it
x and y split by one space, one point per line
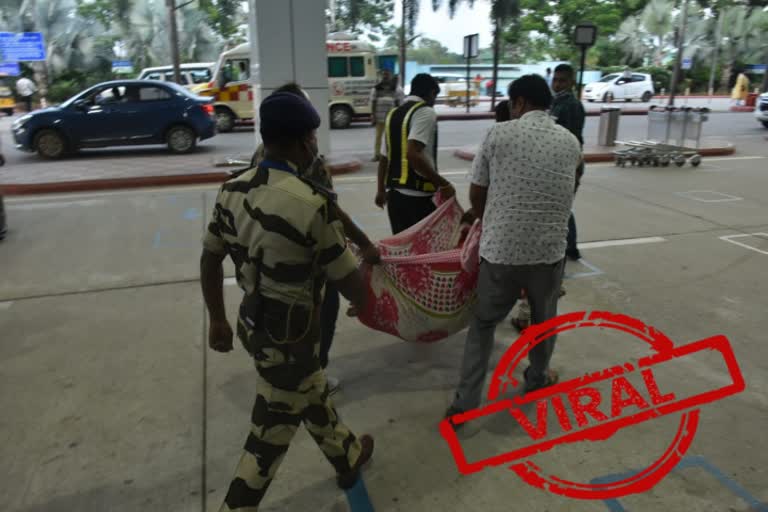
363 16
430 51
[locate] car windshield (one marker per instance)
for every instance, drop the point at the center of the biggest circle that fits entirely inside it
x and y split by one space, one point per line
609 78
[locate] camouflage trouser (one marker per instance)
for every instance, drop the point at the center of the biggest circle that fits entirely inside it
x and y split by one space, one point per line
276 416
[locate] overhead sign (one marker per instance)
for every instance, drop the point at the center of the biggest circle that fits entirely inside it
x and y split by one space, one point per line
10 68
23 47
122 67
471 46
687 63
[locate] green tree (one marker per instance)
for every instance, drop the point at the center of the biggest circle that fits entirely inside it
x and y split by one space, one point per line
430 51
362 16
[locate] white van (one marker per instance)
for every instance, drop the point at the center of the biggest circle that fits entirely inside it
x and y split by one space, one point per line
616 86
191 74
353 70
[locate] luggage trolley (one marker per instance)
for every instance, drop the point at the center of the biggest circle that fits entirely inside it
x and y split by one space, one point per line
669 129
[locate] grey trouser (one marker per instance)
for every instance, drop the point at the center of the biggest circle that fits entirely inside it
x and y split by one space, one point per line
498 289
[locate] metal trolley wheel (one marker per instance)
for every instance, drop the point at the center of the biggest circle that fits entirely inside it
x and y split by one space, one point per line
695 160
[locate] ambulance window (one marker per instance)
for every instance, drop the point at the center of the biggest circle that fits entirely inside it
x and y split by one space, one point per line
338 67
236 70
357 65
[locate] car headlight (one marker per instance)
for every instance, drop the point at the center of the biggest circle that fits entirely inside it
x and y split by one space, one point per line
20 122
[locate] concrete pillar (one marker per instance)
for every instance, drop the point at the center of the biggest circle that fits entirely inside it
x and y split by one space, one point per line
288 45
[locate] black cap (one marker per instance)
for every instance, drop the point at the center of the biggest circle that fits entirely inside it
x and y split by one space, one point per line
284 116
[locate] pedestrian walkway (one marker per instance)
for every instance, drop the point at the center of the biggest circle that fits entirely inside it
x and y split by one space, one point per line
111 400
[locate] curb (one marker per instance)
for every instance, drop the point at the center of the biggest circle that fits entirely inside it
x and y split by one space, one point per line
343 167
474 116
743 108
591 158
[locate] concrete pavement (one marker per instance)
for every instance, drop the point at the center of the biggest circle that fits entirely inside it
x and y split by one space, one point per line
112 403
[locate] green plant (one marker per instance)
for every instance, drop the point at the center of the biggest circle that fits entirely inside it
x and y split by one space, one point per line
61 90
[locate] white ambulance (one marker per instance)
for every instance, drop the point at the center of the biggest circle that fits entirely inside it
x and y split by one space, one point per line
353 70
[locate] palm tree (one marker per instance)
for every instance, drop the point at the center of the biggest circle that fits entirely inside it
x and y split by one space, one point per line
649 33
69 39
743 35
501 12
410 15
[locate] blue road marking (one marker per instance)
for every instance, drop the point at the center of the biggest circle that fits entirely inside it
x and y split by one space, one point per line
192 213
694 461
358 498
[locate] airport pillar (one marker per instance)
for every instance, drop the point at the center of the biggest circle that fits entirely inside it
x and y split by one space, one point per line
288 45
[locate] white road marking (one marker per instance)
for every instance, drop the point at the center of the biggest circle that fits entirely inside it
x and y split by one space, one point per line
700 195
54 205
624 241
730 158
729 238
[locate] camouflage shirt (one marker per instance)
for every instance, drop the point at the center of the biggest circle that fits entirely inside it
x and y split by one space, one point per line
319 172
303 244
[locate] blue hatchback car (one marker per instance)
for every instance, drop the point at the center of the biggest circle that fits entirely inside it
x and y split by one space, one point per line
119 113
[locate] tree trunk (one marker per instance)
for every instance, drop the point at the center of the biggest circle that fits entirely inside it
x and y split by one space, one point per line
40 70
764 87
497 34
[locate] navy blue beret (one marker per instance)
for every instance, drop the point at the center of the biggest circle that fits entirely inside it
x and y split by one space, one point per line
284 114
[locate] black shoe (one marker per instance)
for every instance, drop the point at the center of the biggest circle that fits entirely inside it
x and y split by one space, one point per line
573 254
452 411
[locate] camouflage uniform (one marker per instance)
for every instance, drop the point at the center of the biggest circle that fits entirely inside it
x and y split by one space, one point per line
291 223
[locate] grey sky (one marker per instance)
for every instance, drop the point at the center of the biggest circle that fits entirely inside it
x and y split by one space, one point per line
438 25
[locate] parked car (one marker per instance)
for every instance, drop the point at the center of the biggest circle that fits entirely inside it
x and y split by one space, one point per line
191 74
639 86
119 113
7 100
761 109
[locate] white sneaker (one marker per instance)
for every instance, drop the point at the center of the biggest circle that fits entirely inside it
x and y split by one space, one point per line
333 385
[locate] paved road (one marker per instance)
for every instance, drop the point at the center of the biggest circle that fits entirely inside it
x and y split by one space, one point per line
111 402
356 142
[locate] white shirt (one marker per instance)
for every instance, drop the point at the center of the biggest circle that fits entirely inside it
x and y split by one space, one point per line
25 86
529 167
423 129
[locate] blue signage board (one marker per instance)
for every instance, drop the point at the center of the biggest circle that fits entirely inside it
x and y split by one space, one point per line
687 63
23 47
10 68
122 66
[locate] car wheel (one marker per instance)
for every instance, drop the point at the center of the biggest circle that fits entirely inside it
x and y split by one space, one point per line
608 97
50 144
181 139
647 96
225 120
341 117
765 123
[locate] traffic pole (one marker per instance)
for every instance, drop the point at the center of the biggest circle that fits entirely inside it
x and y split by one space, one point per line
581 69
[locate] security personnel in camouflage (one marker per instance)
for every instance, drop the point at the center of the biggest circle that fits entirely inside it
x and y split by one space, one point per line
285 240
